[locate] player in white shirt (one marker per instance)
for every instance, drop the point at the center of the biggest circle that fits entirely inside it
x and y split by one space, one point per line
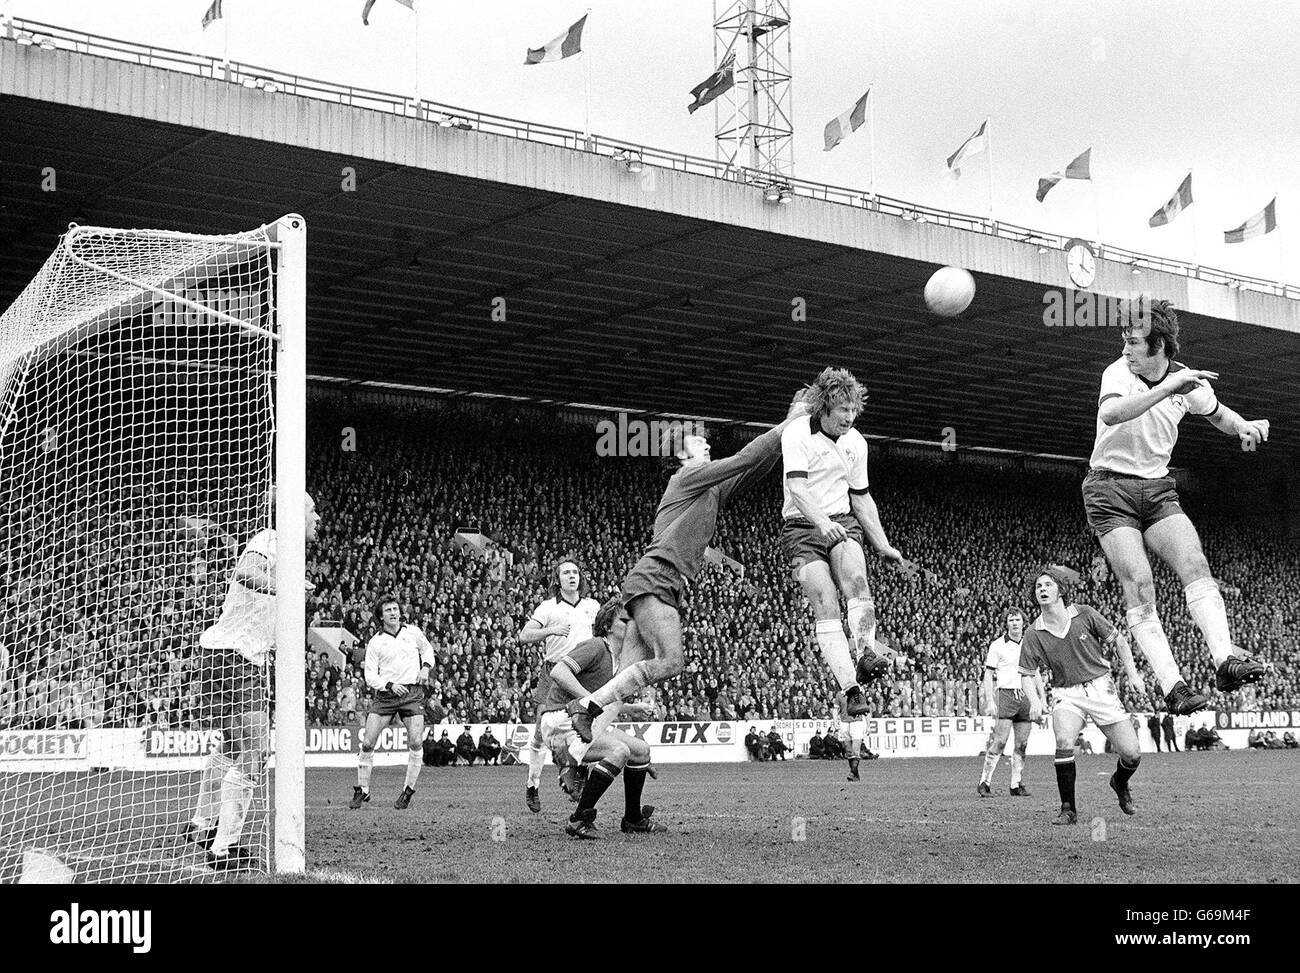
232 681
1132 503
828 511
1005 701
398 661
560 623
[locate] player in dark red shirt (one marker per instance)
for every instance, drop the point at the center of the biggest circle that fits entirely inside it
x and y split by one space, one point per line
684 525
1069 639
610 752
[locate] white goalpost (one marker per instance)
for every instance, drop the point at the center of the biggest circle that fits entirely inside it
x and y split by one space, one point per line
152 393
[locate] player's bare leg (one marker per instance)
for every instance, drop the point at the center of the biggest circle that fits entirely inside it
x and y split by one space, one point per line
1126 553
1020 732
849 568
366 758
819 588
997 743
659 627
249 738
1123 739
1175 540
1067 725
414 758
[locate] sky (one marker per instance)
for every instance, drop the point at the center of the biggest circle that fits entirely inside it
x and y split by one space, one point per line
1155 87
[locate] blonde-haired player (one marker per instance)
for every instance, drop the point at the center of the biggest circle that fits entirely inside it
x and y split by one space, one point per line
398 661
232 681
561 623
828 512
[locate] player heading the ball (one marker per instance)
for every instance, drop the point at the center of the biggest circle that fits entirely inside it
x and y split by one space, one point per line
828 512
1132 501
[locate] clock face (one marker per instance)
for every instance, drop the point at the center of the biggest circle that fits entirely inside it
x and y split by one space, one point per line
1082 266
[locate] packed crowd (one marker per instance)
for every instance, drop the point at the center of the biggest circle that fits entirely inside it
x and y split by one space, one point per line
105 633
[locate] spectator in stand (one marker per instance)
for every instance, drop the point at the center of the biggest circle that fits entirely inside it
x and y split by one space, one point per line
466 749
489 747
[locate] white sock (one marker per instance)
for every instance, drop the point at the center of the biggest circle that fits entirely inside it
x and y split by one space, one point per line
236 795
626 684
536 758
991 759
414 761
365 764
1206 605
835 650
862 624
1017 768
207 807
1149 634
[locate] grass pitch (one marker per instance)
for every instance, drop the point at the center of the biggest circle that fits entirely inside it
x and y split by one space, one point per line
1201 817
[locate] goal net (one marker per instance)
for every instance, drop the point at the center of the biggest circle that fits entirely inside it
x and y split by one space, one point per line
137 458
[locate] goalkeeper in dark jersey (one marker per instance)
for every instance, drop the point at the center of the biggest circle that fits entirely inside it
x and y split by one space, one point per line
684 525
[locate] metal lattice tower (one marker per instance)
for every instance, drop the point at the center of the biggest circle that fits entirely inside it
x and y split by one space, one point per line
755 118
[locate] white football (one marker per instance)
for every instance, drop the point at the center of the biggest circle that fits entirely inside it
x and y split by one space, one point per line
949 291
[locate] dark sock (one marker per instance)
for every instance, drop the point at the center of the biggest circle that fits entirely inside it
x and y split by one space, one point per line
633 783
1065 773
1124 771
598 780
853 765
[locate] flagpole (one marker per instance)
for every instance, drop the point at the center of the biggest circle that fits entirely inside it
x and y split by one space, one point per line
416 6
871 107
1195 259
988 148
586 92
225 45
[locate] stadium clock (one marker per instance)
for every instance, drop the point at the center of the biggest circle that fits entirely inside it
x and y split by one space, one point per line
1081 262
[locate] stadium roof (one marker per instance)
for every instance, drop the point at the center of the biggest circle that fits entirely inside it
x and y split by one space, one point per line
669 293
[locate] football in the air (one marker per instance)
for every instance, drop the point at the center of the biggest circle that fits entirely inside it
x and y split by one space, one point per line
949 291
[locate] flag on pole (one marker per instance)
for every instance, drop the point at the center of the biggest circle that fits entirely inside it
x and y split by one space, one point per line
714 85
977 143
1265 221
1080 168
1182 199
365 13
213 14
566 45
837 129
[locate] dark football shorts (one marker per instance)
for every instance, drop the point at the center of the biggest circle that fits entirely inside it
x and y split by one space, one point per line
1112 500
1013 706
651 576
543 687
802 543
229 686
411 703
